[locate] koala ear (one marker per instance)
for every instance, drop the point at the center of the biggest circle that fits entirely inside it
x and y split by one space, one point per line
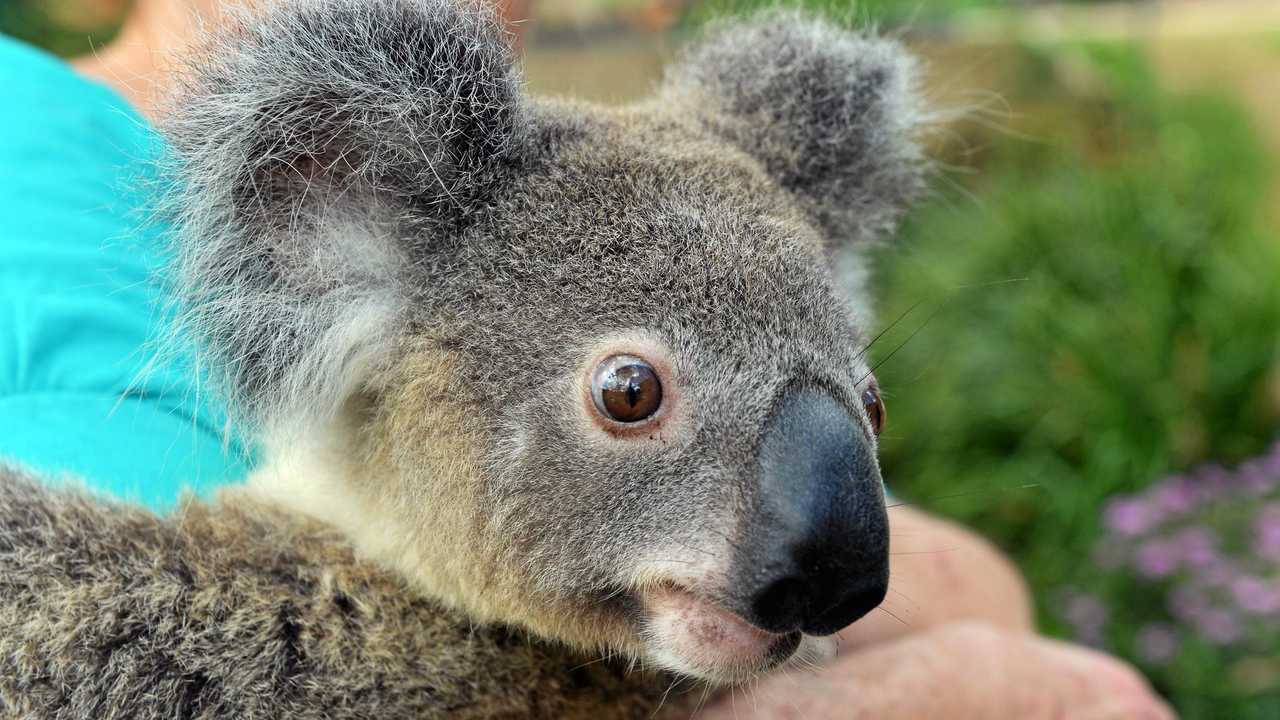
317 146
831 114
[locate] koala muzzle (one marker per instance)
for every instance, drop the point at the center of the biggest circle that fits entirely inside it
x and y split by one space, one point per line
815 556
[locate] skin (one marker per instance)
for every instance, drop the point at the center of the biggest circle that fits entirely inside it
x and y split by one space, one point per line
954 600
958 670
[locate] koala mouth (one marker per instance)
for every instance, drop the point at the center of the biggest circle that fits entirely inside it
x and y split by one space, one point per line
690 635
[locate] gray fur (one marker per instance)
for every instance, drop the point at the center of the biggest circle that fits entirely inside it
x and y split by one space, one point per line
398 266
400 120
309 122
239 610
830 114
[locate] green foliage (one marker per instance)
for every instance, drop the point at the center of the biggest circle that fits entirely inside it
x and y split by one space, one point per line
28 20
1097 304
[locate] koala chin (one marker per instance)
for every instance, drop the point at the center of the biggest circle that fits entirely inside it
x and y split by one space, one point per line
585 371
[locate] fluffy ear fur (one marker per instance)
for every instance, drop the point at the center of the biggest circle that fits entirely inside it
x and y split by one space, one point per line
831 114
314 145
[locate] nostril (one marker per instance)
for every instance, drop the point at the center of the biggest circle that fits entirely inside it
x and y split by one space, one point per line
859 600
780 607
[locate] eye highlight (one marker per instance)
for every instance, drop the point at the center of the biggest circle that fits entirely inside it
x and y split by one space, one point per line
626 389
874 406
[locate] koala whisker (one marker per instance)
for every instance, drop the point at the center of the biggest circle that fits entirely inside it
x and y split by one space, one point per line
729 540
663 700
891 614
790 677
988 284
904 596
689 547
925 552
903 344
862 353
943 302
951 496
702 701
605 658
617 591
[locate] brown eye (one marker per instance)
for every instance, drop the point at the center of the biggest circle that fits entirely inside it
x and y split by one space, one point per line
875 408
626 389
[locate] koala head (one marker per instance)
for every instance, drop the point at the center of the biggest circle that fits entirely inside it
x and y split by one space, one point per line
586 371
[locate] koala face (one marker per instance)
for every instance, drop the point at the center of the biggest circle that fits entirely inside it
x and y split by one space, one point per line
581 370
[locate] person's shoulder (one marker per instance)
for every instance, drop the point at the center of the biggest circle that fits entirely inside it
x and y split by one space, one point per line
28 72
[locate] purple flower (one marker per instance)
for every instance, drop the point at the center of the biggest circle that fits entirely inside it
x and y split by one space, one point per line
1187 602
1156 643
1197 546
1218 626
1214 481
1273 461
1130 516
1267 532
1175 496
1255 595
1157 558
1209 541
1087 616
1257 477
1219 574
1086 609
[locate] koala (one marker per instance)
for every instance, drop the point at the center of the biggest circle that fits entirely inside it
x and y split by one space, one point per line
537 382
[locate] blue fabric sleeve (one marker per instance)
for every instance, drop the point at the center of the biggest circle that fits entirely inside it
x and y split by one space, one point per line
80 301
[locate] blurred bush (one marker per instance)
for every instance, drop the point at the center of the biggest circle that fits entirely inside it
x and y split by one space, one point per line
1186 579
1096 305
65 27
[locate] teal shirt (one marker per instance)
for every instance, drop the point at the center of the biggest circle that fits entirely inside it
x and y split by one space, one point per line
81 303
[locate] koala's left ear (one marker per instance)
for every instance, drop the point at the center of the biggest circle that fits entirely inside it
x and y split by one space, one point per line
319 151
831 114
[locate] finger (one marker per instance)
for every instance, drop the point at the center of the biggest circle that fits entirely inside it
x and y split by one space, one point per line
1146 709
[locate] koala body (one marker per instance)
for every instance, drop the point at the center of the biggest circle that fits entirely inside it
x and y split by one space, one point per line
584 373
238 609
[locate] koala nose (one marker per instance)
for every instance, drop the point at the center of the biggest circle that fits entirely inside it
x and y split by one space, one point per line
816 555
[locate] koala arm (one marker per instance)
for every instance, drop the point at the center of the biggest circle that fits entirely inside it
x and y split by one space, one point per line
236 609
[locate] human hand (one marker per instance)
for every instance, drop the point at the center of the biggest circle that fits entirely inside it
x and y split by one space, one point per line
960 671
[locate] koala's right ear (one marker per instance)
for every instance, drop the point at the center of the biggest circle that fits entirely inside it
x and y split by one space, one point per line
316 146
831 114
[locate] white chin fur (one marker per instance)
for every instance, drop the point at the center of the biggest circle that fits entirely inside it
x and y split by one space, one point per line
694 637
813 651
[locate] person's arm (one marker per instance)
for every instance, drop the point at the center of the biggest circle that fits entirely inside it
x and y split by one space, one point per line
941 572
957 671
955 640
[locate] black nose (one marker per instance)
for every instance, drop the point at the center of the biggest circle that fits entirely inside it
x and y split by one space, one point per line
816 551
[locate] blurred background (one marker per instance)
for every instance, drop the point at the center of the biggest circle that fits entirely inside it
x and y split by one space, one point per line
1082 355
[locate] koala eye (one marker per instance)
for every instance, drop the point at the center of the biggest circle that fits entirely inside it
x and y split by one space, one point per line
626 389
875 408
